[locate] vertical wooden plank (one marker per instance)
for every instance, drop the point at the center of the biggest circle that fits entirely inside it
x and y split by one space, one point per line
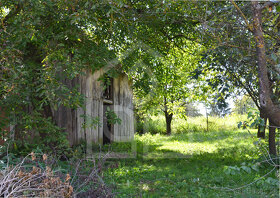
74 126
83 92
97 108
128 119
131 121
119 136
87 128
80 121
116 91
96 113
79 113
122 126
88 106
100 106
93 116
74 115
100 127
130 115
128 110
125 110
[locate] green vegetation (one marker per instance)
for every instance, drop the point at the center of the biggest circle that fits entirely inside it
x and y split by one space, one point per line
176 54
193 164
156 124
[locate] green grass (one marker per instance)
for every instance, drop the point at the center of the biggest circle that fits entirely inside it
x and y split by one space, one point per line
156 124
196 164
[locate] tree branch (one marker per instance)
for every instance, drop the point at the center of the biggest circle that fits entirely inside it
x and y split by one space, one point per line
243 15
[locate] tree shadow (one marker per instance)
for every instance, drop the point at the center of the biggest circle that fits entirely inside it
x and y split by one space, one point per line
160 172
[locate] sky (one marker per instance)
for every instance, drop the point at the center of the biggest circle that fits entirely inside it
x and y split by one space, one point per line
202 108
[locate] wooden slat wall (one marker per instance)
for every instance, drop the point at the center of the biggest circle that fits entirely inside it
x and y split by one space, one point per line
124 109
121 109
81 112
66 117
92 89
129 106
116 94
94 106
131 121
88 107
97 110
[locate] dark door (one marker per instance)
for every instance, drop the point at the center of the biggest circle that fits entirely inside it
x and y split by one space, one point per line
107 127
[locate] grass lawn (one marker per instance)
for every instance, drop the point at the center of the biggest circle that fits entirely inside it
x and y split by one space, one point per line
198 164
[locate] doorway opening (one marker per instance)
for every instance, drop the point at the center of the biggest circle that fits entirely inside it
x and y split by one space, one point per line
107 104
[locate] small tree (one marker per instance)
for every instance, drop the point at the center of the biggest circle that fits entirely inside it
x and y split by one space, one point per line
165 88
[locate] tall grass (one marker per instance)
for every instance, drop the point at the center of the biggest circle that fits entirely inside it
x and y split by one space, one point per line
156 124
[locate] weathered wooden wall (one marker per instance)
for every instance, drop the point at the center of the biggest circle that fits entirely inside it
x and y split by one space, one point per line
123 107
66 117
78 122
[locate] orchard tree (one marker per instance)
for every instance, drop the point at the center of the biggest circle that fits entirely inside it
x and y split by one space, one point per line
167 87
237 35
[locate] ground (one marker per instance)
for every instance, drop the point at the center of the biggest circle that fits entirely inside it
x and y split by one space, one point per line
196 164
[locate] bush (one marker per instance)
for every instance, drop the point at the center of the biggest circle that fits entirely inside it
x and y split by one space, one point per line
153 125
35 132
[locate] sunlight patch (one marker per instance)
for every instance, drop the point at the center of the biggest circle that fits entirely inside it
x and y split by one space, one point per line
189 148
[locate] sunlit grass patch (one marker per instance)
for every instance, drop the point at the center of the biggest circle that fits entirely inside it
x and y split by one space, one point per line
196 143
156 124
196 164
188 148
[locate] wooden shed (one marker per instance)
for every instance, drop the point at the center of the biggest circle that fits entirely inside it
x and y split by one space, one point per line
117 96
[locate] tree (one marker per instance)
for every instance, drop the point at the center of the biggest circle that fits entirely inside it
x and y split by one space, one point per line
271 110
235 37
44 45
39 40
168 87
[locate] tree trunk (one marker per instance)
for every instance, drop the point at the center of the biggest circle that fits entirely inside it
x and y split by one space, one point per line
261 129
271 139
168 120
168 117
270 109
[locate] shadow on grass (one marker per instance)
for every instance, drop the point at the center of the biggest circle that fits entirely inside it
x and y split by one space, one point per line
183 176
164 172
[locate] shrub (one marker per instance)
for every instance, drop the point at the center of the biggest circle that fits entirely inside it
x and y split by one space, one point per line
153 125
34 132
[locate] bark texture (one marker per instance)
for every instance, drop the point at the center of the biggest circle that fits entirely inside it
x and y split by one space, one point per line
270 110
261 129
168 119
271 139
